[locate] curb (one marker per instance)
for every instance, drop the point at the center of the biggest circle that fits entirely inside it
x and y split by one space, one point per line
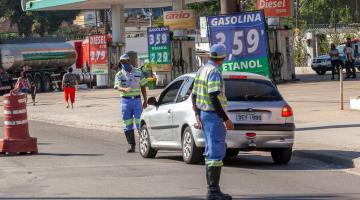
330 158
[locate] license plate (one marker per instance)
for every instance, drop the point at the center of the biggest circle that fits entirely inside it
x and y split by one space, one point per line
248 116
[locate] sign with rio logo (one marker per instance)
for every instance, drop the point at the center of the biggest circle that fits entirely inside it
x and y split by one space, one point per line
159 45
245 38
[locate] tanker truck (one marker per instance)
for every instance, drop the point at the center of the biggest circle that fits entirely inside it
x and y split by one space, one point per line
47 61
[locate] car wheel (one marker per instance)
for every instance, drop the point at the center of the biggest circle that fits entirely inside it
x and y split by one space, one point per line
38 82
46 84
321 72
145 149
191 153
231 153
281 156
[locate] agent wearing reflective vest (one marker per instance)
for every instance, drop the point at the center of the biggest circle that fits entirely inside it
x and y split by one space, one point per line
131 82
209 103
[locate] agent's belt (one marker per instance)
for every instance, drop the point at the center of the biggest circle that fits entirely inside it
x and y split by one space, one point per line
132 97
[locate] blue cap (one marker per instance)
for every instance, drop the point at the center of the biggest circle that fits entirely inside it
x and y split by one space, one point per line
218 51
124 57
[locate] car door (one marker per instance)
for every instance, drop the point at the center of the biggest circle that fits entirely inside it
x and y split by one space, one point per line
182 108
161 120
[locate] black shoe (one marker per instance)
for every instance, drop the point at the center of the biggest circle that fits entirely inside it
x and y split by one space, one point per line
213 179
130 137
131 149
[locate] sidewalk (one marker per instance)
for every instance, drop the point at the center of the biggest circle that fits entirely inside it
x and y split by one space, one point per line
323 131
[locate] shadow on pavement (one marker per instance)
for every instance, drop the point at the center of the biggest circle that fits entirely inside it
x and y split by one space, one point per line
301 160
328 127
246 197
309 78
67 154
343 159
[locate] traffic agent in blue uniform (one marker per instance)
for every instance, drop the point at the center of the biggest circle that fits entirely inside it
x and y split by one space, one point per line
209 102
131 83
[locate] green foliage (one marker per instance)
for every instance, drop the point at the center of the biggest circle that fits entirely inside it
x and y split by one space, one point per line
345 15
324 44
335 38
301 54
34 22
159 21
205 8
324 11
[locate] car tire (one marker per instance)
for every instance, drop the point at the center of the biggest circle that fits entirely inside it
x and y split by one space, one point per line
191 153
321 72
281 156
145 149
231 153
38 82
46 84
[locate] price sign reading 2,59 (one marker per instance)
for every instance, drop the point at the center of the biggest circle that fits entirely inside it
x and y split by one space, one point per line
244 36
159 45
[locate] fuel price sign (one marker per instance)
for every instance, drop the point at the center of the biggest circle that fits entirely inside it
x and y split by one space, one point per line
245 38
159 45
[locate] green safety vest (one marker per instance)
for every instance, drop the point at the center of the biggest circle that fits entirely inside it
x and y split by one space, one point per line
208 79
134 79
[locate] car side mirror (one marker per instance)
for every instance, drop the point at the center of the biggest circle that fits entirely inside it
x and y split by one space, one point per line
152 101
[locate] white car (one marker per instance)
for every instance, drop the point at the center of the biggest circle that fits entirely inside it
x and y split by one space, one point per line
263 119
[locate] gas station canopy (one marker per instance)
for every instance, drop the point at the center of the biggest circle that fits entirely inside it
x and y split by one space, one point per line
46 5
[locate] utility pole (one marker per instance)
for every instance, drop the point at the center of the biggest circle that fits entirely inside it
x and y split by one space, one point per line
356 12
229 6
313 13
335 16
296 13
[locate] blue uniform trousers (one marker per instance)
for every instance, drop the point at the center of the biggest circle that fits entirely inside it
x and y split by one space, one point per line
131 112
215 134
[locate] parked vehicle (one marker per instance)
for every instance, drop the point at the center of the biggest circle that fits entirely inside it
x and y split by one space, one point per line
263 119
322 64
47 60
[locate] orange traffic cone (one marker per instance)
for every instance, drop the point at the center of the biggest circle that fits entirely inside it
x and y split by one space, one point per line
16 129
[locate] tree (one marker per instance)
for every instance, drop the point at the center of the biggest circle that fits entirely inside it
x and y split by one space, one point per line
159 21
205 8
33 22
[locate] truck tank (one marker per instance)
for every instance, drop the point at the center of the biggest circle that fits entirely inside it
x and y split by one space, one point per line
38 56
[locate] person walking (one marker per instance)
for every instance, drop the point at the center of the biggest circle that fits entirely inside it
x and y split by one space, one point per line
209 103
69 85
23 85
130 82
335 62
349 60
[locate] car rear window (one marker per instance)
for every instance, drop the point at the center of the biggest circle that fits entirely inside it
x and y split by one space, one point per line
251 90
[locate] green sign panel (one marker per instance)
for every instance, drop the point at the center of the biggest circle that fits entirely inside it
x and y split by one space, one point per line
255 65
159 45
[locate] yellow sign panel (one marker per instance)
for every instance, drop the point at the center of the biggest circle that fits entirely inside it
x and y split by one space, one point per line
180 19
160 67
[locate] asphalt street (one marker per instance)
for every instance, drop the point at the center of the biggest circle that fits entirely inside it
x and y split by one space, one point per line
90 164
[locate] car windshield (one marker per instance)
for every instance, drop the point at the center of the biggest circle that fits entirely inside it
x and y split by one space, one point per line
251 90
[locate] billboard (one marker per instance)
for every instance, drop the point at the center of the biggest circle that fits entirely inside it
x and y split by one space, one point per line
98 54
159 47
245 38
180 19
275 8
